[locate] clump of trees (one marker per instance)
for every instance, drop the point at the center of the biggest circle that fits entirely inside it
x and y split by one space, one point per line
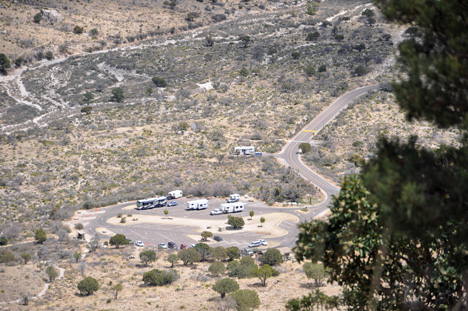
157 277
236 222
118 240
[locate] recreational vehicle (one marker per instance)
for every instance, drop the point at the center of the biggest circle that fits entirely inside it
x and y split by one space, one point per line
197 204
244 150
176 194
233 198
232 207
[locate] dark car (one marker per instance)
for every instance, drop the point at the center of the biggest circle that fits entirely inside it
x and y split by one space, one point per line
172 245
217 238
182 246
173 203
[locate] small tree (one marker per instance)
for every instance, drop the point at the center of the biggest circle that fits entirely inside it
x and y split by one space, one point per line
204 250
217 268
305 147
225 286
19 62
77 256
49 55
209 41
148 256
40 236
295 55
191 16
78 30
117 95
244 72
309 70
86 109
37 18
4 63
3 240
173 259
166 212
262 220
118 239
159 82
219 253
245 40
93 32
246 299
233 252
26 257
236 222
315 271
263 273
88 286
117 288
94 243
79 226
313 36
51 273
189 256
322 68
252 213
360 70
206 234
158 277
88 97
272 257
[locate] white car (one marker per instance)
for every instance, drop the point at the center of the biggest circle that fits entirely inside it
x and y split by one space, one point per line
162 245
255 244
192 245
263 242
139 243
215 212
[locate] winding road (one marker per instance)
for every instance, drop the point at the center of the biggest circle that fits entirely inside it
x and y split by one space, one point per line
290 157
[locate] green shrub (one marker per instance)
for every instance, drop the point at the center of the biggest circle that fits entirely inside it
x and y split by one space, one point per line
157 277
159 82
246 299
88 286
78 30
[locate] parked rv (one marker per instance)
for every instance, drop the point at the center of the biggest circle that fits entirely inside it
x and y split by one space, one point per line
233 198
232 207
176 194
244 150
197 204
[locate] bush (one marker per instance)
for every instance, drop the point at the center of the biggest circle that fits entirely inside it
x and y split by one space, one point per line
305 147
272 257
233 252
360 70
148 256
264 272
242 269
88 286
51 273
246 299
117 95
19 62
225 286
236 222
118 239
6 256
313 36
322 68
79 226
94 32
204 250
4 63
87 110
189 256
217 268
315 271
49 55
78 30
159 82
219 253
157 277
37 18
40 236
3 240
296 55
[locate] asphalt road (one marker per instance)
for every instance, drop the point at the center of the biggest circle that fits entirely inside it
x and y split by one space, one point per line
153 234
289 152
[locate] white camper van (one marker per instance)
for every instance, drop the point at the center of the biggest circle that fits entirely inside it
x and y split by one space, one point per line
244 150
233 198
197 204
176 194
232 207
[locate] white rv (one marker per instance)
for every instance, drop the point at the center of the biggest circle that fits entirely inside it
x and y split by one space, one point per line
197 204
245 150
233 198
232 207
176 194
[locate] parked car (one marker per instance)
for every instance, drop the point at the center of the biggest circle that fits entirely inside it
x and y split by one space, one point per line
182 246
255 244
217 238
263 242
248 251
172 203
162 245
139 243
215 212
192 245
172 245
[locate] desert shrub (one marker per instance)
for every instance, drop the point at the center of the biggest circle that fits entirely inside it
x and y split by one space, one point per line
225 286
236 222
49 55
4 63
315 271
117 95
148 256
40 236
360 70
3 240
217 268
241 269
159 82
78 30
87 110
118 240
305 147
272 257
51 273
88 286
246 299
93 32
157 277
313 36
37 17
79 226
6 256
219 253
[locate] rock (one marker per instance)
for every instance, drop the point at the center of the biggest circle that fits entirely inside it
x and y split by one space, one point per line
51 15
